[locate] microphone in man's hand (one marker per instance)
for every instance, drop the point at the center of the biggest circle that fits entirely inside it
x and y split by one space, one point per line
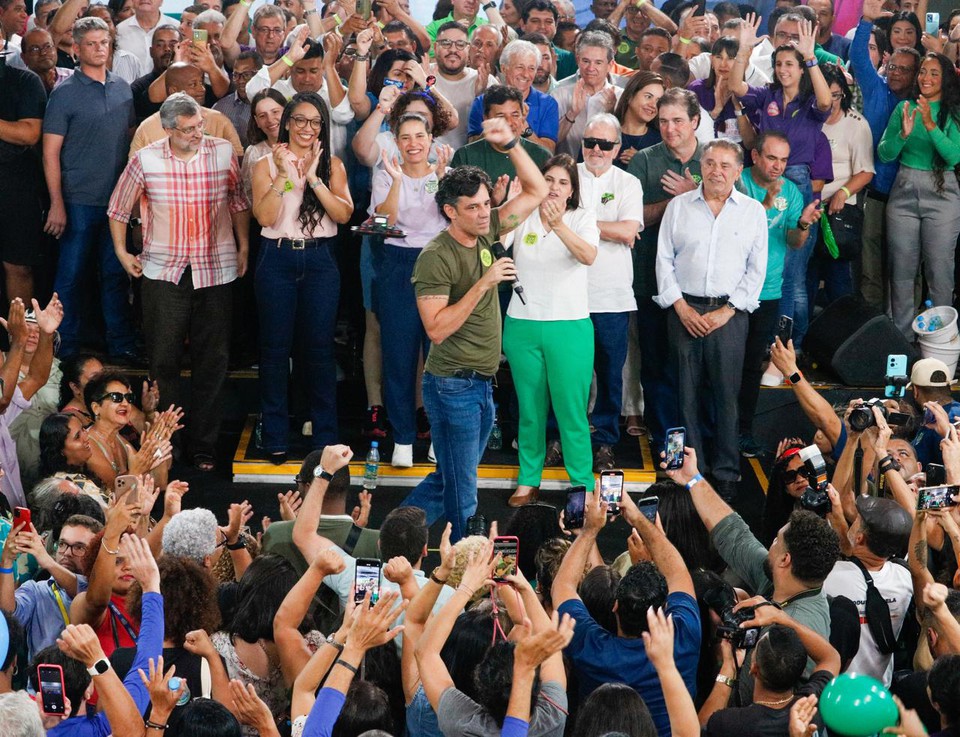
500 252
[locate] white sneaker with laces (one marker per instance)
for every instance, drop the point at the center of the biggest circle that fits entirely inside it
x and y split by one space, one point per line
430 455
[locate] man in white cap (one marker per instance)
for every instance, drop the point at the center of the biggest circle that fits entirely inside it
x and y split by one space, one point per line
930 381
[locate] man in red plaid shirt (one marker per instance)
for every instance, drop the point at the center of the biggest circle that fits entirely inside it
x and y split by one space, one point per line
195 243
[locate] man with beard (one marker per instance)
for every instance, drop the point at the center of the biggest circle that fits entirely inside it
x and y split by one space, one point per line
181 77
456 81
42 607
162 50
39 53
790 574
237 106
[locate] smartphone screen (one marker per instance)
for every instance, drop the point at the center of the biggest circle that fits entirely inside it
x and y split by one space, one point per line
611 489
364 7
21 515
937 497
932 23
573 512
200 36
50 679
785 329
936 474
367 578
509 548
676 440
648 507
127 488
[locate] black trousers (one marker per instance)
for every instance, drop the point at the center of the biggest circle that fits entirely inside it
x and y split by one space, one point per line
761 325
708 373
171 314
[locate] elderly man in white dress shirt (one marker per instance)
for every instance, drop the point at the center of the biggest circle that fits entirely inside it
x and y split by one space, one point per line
711 262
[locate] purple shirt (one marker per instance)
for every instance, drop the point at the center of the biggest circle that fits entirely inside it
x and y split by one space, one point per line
822 167
800 122
708 99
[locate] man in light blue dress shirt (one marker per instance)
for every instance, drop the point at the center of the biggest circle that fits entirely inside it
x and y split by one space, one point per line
711 263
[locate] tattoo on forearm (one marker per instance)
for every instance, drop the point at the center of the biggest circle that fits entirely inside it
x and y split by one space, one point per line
512 221
920 550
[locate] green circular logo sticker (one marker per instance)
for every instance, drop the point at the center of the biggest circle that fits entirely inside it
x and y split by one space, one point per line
623 48
485 258
432 186
530 239
288 186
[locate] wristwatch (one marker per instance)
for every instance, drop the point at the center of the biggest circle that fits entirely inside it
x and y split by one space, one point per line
527 133
731 305
332 641
99 668
319 473
794 378
726 680
487 6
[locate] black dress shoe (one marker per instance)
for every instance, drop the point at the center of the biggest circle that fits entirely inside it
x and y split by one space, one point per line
727 489
278 459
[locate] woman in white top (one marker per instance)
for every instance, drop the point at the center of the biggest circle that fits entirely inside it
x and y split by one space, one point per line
300 194
851 151
266 109
549 340
406 194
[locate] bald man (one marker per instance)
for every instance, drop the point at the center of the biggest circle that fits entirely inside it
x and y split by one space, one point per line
182 77
39 53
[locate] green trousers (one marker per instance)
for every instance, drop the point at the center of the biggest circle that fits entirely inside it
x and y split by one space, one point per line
552 363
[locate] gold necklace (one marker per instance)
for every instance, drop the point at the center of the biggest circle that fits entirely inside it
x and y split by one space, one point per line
778 702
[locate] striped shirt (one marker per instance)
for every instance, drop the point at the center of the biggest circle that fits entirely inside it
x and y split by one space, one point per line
186 208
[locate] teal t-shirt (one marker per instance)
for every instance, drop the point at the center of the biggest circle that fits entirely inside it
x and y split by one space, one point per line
783 216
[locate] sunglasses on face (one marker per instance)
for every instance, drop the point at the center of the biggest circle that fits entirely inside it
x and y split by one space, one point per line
790 476
118 397
603 144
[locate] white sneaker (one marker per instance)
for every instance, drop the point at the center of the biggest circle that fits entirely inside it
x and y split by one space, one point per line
307 430
771 377
402 456
430 455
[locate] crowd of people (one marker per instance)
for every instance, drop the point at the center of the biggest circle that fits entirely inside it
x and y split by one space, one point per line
619 203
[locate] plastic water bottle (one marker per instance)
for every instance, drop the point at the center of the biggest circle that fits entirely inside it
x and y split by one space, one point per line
496 434
371 471
174 684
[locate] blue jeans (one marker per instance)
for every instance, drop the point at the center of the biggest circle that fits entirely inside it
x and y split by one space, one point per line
87 228
661 398
461 417
297 294
610 353
794 300
402 338
837 276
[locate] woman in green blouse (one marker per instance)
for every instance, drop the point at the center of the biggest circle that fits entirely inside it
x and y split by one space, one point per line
923 213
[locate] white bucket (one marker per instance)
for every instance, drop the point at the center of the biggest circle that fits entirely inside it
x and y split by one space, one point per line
945 334
946 352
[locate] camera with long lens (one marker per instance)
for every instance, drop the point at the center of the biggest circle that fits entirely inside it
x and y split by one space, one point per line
861 416
721 599
815 499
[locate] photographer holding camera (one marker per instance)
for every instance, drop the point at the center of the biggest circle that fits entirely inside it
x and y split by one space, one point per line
790 573
779 659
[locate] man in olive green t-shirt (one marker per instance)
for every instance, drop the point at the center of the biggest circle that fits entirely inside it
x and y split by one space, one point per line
456 278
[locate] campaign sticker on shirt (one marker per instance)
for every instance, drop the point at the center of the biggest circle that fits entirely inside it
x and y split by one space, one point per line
432 186
780 203
288 186
623 48
773 109
485 258
530 239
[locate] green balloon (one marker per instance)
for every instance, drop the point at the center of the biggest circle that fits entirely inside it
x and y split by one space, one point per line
857 706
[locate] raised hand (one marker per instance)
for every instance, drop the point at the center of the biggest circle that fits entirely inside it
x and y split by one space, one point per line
237 516
335 457
907 119
158 686
579 100
361 513
497 132
150 396
289 505
801 714
251 710
808 40
658 640
533 650
80 642
16 322
749 31
139 557
328 561
398 570
364 41
686 472
199 643
444 154
500 189
49 318
369 628
393 167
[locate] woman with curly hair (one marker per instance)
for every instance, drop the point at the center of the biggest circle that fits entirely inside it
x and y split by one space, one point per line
300 195
190 615
923 213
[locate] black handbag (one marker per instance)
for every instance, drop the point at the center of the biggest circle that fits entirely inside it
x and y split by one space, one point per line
847 229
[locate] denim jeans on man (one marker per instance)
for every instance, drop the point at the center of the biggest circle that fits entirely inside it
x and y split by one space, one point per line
87 229
461 417
794 300
297 295
661 399
610 353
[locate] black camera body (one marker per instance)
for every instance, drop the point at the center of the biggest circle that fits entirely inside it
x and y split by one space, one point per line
816 500
730 629
861 416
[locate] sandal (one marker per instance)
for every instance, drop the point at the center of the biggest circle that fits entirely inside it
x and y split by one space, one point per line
635 426
204 462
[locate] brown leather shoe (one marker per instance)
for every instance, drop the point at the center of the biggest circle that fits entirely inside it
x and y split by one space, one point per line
523 495
603 459
554 455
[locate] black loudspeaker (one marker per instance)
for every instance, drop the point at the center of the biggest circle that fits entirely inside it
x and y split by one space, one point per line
854 339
